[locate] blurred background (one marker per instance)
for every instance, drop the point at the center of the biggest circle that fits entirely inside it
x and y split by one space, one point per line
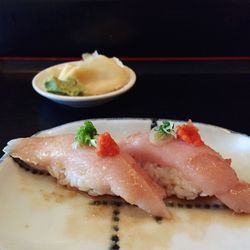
192 59
67 28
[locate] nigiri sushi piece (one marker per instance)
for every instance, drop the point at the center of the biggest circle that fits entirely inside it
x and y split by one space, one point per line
82 168
186 167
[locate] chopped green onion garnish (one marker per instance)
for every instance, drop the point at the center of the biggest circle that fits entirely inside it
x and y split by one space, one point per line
165 128
86 134
162 133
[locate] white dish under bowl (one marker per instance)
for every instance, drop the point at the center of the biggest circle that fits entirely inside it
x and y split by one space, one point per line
78 101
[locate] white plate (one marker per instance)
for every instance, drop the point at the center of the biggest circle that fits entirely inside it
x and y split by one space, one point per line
38 214
78 101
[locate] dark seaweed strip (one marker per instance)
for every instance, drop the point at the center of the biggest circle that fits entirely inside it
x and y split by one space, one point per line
108 203
207 206
170 204
216 206
28 168
179 204
119 203
189 205
104 202
197 205
95 203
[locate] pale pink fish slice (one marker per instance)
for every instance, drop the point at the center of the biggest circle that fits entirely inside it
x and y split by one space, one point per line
83 169
237 198
201 165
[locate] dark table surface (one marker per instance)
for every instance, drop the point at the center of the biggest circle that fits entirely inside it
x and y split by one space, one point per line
210 92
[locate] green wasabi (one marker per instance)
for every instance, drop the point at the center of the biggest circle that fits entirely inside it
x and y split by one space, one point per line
67 87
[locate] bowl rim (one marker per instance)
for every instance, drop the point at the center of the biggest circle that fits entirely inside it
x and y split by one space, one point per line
39 90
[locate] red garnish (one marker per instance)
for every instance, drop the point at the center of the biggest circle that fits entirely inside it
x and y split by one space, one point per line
189 133
106 146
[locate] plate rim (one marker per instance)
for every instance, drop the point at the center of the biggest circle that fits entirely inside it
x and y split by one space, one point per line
153 119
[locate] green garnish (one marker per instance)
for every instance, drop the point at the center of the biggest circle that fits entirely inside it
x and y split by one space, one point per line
67 87
163 132
86 134
165 128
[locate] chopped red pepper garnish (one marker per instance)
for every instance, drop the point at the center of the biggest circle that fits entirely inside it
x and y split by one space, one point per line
189 133
106 146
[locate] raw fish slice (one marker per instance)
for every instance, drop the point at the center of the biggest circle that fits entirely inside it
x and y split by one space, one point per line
204 168
237 198
201 165
81 168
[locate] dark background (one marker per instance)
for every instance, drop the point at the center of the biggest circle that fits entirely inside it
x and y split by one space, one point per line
210 90
176 28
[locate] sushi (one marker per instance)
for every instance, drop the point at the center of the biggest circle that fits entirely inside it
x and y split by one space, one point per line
181 163
98 170
143 168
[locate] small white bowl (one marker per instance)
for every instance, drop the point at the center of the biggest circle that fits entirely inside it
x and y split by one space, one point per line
78 101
